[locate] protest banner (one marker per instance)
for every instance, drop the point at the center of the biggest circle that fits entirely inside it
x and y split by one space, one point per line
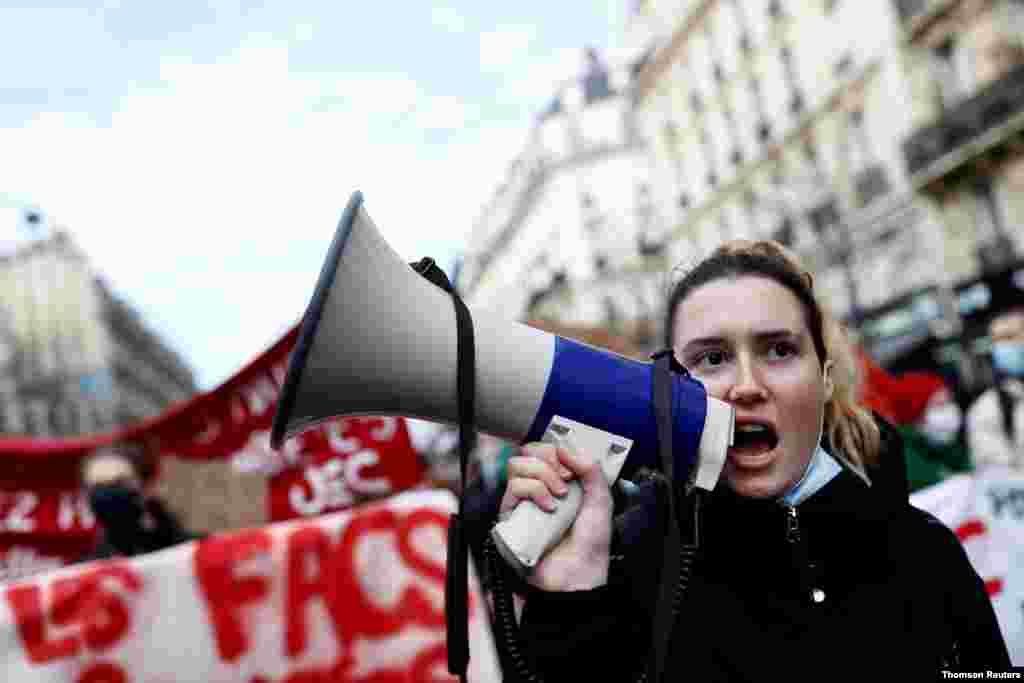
355 596
44 517
986 511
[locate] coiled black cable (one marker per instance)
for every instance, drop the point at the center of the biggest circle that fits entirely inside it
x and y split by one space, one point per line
507 628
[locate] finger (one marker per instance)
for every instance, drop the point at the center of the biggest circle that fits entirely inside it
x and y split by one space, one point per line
585 467
536 468
546 452
530 489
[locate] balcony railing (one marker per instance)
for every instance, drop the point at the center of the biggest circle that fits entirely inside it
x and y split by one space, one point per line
992 107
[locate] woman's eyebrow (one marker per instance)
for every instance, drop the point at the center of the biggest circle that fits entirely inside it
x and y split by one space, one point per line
763 336
701 342
774 335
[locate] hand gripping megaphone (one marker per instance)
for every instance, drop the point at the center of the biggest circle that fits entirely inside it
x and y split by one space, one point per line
377 338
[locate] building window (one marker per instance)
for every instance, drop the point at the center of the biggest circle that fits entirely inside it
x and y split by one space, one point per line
945 71
870 179
775 9
823 216
596 85
844 65
909 8
696 103
746 45
764 131
712 179
870 184
736 157
553 109
719 74
810 150
990 218
684 200
785 234
796 103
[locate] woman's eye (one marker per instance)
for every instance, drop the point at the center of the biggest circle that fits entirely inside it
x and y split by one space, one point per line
781 350
710 359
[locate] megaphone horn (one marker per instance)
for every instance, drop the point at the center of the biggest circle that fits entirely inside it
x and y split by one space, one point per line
379 339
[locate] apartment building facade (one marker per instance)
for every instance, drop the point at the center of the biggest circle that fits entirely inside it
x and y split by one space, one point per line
76 359
966 61
786 120
562 237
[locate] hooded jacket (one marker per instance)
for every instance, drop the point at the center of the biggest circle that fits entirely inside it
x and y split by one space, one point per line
852 584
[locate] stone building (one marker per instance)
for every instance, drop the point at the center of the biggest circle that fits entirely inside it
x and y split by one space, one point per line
570 231
879 138
965 59
77 358
783 119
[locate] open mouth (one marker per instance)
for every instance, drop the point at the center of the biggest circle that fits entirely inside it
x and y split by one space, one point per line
752 439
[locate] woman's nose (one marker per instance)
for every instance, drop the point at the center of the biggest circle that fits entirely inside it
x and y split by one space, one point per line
746 385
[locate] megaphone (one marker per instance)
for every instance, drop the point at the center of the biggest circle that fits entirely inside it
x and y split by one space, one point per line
378 339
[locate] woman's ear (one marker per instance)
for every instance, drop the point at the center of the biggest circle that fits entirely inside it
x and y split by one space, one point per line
830 385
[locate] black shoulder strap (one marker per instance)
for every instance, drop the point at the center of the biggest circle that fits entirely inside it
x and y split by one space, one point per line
456 593
664 612
1006 407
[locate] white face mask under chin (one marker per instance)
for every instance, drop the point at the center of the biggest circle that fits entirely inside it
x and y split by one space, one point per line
821 469
942 423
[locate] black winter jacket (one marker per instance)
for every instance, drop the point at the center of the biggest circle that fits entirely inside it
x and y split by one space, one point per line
854 584
167 532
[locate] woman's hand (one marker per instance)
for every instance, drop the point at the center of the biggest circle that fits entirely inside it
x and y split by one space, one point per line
539 473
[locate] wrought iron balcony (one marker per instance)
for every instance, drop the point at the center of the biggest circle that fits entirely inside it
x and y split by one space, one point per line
965 123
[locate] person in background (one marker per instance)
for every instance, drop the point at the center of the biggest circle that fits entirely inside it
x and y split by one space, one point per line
995 422
929 420
118 481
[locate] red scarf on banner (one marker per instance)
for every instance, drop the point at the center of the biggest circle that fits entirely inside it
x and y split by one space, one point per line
45 519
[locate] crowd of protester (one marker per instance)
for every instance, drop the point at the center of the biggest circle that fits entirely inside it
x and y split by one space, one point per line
942 437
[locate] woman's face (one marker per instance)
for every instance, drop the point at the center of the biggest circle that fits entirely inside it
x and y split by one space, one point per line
747 340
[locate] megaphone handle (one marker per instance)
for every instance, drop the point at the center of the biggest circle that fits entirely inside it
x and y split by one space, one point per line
529 531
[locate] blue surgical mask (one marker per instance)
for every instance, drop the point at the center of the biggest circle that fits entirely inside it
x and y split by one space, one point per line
941 424
1008 358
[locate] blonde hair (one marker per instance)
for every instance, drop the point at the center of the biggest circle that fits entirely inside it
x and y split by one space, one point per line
851 429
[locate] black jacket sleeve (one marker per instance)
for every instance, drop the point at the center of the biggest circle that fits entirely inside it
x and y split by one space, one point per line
584 635
603 634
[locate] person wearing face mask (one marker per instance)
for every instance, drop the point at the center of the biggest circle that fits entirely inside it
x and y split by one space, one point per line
995 422
930 421
812 564
132 520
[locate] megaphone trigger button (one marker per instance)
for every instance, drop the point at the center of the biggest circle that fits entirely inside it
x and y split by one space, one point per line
559 430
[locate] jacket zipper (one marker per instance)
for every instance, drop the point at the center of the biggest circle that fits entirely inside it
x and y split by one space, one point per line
798 548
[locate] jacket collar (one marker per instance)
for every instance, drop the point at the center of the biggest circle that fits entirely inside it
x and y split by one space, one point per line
852 495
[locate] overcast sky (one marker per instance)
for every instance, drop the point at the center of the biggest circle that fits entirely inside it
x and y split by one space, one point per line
201 153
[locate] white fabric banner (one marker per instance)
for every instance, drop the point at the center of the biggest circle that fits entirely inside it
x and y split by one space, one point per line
986 510
353 596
